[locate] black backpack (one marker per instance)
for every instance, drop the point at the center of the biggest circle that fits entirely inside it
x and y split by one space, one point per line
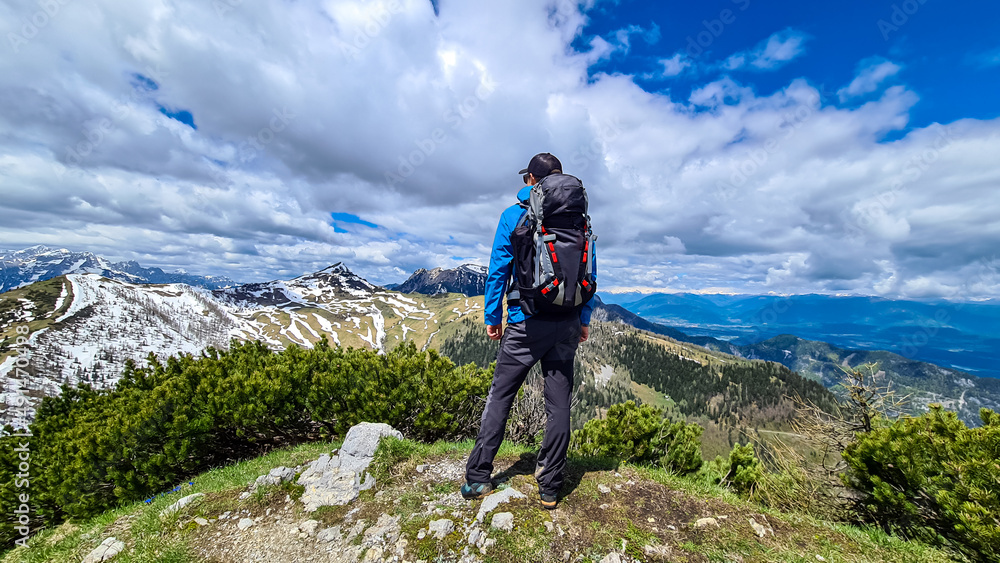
553 248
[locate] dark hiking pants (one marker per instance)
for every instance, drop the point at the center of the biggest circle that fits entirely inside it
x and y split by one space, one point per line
554 343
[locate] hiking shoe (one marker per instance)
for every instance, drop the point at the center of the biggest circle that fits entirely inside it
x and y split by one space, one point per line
476 490
548 501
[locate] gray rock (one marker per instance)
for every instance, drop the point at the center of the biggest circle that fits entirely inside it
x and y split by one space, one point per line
474 536
244 523
201 521
604 489
359 527
441 528
760 529
612 558
276 476
328 535
108 549
385 529
702 522
361 442
181 504
373 554
491 502
421 534
336 480
503 521
326 485
309 527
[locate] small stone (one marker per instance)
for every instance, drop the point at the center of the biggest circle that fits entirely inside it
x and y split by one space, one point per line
441 528
309 527
612 558
761 530
400 548
630 482
328 535
373 554
491 502
421 534
650 519
486 545
604 506
225 515
188 500
244 495
702 522
671 527
503 521
421 468
244 523
604 488
359 527
474 536
201 521
566 555
108 549
550 527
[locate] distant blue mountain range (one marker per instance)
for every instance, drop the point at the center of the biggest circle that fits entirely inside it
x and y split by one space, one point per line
963 336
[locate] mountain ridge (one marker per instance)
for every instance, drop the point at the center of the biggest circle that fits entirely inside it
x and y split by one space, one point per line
19 268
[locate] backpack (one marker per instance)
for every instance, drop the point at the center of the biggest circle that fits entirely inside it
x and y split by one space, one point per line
553 249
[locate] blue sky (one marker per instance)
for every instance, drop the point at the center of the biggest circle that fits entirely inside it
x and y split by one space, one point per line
950 51
727 146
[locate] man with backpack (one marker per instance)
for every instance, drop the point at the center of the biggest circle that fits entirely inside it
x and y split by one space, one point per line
543 263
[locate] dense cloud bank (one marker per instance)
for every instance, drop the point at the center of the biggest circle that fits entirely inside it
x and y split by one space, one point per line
219 137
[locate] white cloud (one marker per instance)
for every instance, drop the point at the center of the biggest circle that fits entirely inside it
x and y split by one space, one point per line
869 78
302 109
675 64
650 36
772 53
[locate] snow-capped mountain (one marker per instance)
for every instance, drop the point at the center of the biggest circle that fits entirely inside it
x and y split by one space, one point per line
467 279
84 326
39 263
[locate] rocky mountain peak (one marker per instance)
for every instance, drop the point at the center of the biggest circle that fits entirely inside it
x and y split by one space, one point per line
467 279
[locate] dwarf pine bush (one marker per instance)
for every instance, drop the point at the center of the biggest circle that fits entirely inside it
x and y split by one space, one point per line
92 450
932 478
640 434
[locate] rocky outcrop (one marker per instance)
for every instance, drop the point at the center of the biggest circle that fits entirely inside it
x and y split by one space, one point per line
335 480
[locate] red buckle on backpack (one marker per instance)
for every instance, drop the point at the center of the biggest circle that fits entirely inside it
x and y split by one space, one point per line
584 284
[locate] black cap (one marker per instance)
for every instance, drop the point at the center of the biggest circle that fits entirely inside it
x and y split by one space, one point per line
542 164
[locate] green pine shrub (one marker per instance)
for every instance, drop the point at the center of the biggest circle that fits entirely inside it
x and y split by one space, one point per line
932 478
92 450
745 470
640 434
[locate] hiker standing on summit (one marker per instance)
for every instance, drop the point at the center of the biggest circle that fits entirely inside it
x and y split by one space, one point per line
543 263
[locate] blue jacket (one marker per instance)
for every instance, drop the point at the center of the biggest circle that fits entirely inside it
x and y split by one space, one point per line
501 269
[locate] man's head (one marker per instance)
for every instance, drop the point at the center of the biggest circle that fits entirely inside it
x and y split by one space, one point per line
540 166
